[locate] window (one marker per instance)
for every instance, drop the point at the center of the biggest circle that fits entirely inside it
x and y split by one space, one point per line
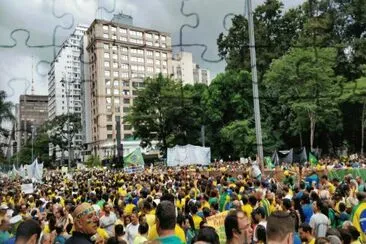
134 67
122 38
114 29
140 51
163 38
149 61
126 92
149 53
109 127
157 70
115 83
126 101
132 40
109 100
148 35
127 127
115 65
114 37
116 100
109 117
106 46
163 55
108 91
106 64
124 75
164 63
115 74
123 31
109 136
150 69
141 68
157 44
140 60
139 33
107 82
148 43
139 41
163 45
124 49
115 56
156 37
105 35
124 57
107 73
133 59
124 66
106 55
105 27
165 71
157 54
114 48
115 92
133 51
157 62
126 83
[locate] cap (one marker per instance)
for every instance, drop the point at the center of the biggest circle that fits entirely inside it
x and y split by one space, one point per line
4 206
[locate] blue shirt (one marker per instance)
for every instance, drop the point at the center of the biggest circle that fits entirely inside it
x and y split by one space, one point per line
308 212
297 239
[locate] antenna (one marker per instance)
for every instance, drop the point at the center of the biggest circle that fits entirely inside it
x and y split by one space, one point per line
32 90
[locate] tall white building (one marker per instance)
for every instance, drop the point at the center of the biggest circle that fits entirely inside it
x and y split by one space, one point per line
117 59
64 84
186 70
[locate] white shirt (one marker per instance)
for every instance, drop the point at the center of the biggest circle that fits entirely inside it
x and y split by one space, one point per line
107 222
319 223
131 232
262 223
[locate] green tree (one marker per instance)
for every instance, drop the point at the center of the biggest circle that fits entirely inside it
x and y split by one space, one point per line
6 113
311 86
275 32
93 161
62 129
166 111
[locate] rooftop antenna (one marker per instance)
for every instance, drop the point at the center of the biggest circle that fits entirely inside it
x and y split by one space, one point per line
32 90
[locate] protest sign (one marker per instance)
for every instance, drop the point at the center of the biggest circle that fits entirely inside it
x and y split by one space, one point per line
27 188
217 221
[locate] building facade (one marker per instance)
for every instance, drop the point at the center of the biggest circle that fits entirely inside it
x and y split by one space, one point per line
31 112
185 70
64 85
117 59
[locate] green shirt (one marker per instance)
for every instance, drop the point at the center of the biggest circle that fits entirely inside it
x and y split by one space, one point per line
173 239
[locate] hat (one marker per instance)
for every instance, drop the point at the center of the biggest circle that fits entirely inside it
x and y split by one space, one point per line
261 211
4 206
15 219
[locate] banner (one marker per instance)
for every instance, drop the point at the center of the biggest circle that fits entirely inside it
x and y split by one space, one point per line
27 188
340 173
188 155
218 222
134 162
289 156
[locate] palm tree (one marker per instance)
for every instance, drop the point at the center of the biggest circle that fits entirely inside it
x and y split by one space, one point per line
5 111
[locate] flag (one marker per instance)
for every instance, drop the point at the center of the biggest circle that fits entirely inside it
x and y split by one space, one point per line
269 163
134 161
312 159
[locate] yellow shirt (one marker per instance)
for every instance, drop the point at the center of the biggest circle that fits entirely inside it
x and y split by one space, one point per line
129 208
180 203
153 234
102 233
205 205
197 220
312 241
247 209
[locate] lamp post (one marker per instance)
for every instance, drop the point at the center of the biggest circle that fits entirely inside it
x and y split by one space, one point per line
32 141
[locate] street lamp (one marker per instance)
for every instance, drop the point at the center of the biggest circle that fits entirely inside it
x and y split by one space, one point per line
32 127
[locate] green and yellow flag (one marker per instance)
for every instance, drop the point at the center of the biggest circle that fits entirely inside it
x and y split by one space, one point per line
312 159
134 159
269 163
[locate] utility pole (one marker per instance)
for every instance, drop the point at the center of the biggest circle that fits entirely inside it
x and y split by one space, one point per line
68 123
253 62
32 141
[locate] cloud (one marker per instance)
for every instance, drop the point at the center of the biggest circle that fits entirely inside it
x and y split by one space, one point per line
41 17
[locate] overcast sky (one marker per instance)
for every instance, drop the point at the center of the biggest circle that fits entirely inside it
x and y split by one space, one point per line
38 17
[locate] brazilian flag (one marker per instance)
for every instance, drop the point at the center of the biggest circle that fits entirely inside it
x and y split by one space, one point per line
269 162
312 159
134 159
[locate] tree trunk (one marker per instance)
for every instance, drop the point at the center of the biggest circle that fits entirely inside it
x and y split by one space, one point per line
363 122
312 130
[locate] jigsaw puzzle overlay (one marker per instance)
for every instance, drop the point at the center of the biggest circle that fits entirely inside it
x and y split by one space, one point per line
42 66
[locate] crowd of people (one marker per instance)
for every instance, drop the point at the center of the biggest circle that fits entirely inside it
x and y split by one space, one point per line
174 205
